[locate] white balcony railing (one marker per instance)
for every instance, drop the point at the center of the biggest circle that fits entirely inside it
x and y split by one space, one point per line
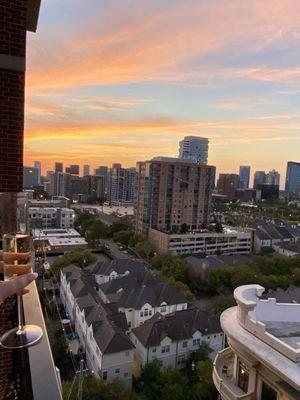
223 378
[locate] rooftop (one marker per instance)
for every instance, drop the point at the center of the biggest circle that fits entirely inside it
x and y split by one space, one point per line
268 329
179 325
55 232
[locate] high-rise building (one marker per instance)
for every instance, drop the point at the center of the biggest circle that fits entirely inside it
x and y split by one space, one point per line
58 167
86 170
60 184
94 186
194 148
38 165
121 185
30 177
273 177
244 176
172 192
292 181
262 360
259 177
103 170
73 169
266 191
227 184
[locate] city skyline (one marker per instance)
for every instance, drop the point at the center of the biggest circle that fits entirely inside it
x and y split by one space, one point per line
120 92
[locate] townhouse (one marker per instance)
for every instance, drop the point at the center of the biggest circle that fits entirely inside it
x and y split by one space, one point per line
172 338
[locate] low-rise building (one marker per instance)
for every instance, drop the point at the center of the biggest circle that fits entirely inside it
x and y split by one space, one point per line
108 350
202 267
230 241
288 249
57 241
128 286
268 235
51 217
172 338
263 357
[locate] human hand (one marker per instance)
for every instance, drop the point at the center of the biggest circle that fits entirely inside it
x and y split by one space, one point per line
16 285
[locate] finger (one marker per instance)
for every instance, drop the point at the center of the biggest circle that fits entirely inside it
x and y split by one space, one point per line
1 255
15 286
9 257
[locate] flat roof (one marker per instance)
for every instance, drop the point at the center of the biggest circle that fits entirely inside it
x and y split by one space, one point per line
264 353
51 233
67 241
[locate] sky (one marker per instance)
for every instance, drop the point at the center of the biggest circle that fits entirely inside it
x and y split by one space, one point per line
125 80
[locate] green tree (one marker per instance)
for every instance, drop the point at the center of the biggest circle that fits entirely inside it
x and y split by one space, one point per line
171 266
182 288
204 388
95 389
184 228
175 385
149 382
80 257
144 249
83 221
95 231
127 238
120 225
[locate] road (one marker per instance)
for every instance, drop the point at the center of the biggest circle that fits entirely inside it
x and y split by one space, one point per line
114 248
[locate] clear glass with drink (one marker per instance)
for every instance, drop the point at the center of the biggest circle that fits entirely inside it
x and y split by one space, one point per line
17 261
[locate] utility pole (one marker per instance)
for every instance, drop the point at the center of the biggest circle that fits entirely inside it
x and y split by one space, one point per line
80 383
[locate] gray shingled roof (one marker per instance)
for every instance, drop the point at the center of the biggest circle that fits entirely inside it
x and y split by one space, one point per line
135 290
120 266
108 324
291 295
179 325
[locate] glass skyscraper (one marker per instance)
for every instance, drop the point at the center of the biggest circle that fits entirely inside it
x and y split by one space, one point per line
194 148
292 181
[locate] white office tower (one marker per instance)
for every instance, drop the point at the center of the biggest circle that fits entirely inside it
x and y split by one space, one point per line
194 148
262 361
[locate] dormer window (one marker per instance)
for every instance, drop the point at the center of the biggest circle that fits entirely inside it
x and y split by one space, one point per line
163 308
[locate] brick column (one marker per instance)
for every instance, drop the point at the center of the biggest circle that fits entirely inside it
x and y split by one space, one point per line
12 82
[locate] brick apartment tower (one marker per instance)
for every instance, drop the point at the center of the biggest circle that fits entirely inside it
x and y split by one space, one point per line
16 17
172 192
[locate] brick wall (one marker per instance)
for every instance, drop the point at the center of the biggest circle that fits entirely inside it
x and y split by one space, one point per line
12 80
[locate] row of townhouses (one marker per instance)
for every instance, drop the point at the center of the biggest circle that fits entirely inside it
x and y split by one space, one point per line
125 316
276 236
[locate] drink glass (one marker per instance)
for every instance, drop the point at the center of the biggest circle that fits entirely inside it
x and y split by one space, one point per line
17 261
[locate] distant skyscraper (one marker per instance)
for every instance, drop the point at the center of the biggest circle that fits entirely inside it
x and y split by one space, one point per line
244 176
38 165
86 170
259 177
227 184
273 178
172 192
58 167
94 186
30 177
121 185
292 181
73 169
102 170
60 184
194 148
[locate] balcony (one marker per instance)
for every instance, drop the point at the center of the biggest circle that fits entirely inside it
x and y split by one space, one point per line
32 374
224 380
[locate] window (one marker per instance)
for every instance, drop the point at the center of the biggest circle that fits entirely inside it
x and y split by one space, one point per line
150 312
146 311
126 353
126 374
243 377
268 393
104 375
141 314
181 360
165 349
163 308
129 324
117 370
154 350
184 344
196 342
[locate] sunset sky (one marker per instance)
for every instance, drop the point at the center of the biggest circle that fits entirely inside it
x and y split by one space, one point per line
125 80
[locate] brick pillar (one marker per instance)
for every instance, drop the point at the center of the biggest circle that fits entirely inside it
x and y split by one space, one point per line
12 82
